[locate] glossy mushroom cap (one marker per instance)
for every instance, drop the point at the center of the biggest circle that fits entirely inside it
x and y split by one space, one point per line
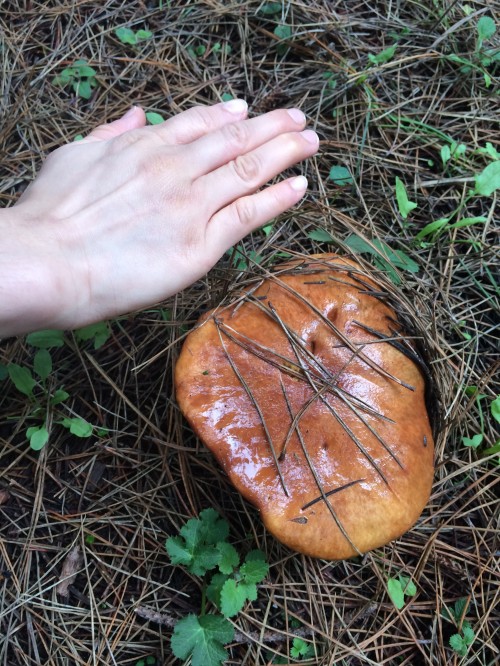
311 398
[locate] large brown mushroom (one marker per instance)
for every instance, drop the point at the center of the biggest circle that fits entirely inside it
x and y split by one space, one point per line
311 396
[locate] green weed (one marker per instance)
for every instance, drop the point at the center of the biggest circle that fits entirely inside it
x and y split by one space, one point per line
483 57
477 439
399 588
461 641
80 76
38 383
202 546
132 37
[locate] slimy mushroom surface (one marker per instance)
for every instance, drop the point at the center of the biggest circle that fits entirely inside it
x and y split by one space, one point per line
311 397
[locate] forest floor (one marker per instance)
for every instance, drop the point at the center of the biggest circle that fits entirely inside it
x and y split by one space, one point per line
395 90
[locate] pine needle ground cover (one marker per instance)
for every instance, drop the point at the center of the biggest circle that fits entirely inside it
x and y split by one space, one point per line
97 467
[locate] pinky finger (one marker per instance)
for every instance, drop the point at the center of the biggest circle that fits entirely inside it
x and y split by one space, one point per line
248 213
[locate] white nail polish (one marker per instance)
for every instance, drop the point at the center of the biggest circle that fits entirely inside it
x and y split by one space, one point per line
299 183
235 106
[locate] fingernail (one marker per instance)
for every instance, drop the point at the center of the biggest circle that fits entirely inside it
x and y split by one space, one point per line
310 136
299 183
297 116
130 112
235 106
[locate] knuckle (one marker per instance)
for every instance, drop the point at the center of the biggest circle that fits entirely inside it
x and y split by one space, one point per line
237 135
247 168
245 211
200 118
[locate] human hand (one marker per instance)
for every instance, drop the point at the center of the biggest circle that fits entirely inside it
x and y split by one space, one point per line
132 214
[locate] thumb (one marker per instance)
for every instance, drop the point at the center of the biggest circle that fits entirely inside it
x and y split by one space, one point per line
133 119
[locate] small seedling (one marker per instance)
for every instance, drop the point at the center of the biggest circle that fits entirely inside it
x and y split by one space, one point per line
477 439
482 58
202 547
460 642
81 76
33 382
284 32
384 56
271 8
399 588
405 206
453 150
129 36
301 650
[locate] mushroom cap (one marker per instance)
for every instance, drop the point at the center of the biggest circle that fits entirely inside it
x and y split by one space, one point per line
311 397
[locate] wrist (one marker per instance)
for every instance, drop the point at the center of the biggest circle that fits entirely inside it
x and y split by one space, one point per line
32 290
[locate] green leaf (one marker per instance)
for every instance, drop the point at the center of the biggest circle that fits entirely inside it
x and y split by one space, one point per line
404 204
495 408
488 180
229 558
457 643
384 56
178 552
82 69
432 227
42 363
215 587
126 35
83 89
232 598
486 28
490 150
46 339
226 97
143 34
202 638
200 538
459 608
205 558
408 586
340 175
99 332
474 442
38 436
254 570
283 32
467 221
445 154
320 235
270 8
21 378
58 397
468 633
234 595
154 118
300 649
396 592
77 426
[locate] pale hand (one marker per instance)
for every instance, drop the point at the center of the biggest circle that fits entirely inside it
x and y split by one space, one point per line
132 214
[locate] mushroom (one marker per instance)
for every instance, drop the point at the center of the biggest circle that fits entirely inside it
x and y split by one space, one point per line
310 394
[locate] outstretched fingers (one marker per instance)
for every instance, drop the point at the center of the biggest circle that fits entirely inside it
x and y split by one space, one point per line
248 213
247 173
